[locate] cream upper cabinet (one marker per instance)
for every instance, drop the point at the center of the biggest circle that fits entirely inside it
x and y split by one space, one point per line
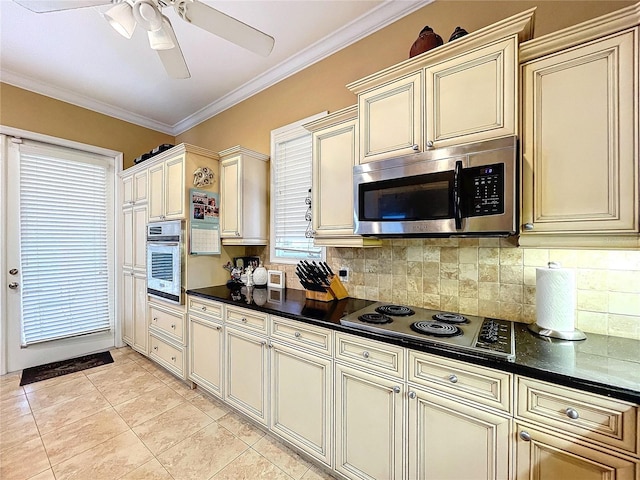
134 188
440 426
167 190
369 424
335 153
580 138
472 96
134 224
244 197
390 119
463 91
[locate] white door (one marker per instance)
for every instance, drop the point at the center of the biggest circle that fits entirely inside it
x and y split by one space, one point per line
58 304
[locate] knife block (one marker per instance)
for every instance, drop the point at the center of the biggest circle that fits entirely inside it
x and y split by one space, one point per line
335 291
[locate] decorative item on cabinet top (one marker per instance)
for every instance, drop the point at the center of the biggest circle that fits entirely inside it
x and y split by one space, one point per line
427 39
151 153
203 177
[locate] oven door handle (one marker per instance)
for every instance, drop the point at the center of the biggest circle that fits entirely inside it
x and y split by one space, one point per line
163 244
457 212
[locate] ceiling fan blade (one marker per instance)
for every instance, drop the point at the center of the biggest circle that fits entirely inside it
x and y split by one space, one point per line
174 62
227 27
45 6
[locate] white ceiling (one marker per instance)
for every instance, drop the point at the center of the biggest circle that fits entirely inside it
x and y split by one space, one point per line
75 56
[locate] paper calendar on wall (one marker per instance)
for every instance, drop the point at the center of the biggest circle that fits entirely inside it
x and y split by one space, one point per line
205 222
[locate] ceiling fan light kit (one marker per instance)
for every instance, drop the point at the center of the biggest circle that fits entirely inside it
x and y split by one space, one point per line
125 14
120 17
161 39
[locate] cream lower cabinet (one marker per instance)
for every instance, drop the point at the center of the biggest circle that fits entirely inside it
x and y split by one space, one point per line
541 454
369 424
301 407
449 439
246 368
134 311
168 337
580 138
206 340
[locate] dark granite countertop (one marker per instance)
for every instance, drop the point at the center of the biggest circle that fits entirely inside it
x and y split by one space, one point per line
600 364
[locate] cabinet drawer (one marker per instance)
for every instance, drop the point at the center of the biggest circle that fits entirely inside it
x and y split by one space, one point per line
170 323
170 356
249 319
374 355
204 307
301 335
482 385
608 421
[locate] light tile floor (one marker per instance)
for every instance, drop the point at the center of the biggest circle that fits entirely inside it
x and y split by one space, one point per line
132 420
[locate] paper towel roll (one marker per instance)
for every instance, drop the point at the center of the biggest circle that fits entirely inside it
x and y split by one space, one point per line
555 299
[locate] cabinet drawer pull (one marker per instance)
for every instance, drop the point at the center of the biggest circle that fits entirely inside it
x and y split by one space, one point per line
204 308
297 335
525 436
453 378
173 325
415 147
155 319
572 413
412 395
429 143
365 354
155 348
243 320
218 327
396 389
528 226
173 359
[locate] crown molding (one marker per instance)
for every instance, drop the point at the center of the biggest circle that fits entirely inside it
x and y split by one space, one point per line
387 13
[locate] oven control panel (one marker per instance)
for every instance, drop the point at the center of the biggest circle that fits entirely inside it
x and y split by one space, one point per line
498 337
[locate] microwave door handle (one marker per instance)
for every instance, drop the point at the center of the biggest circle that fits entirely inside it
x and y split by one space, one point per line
457 212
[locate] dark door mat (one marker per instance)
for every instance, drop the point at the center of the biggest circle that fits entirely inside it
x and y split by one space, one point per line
57 369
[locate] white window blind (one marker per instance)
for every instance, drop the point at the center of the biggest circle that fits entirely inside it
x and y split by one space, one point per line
291 183
65 235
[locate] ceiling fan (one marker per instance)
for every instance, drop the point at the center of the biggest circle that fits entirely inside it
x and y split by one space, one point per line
125 14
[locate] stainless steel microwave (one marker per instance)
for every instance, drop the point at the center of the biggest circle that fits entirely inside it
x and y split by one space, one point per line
468 190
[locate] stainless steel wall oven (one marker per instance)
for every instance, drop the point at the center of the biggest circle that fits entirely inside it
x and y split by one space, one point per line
165 254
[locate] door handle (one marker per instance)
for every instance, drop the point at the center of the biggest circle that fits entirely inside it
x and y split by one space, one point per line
13 271
14 285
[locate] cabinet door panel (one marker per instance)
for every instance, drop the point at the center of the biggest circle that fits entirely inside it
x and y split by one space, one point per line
140 186
547 456
300 399
231 208
439 426
391 119
246 373
127 307
471 97
139 238
579 169
128 239
174 188
156 192
206 360
368 427
140 326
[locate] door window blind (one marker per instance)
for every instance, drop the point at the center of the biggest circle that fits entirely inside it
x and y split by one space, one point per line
291 170
65 235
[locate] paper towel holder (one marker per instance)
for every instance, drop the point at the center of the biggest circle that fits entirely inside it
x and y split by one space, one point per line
562 335
572 335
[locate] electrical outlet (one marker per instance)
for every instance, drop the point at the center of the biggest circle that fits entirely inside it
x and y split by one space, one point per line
343 274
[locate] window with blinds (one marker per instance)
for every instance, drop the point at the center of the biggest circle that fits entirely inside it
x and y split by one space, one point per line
66 243
291 155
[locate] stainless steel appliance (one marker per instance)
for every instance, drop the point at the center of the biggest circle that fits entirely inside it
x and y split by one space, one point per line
463 190
481 336
164 260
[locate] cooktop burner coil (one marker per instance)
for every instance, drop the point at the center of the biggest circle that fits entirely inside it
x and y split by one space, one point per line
395 310
437 329
377 318
450 318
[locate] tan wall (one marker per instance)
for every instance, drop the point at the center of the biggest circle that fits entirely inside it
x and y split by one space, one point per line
36 113
322 86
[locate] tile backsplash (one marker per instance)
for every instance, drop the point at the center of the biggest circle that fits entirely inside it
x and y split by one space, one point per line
490 277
